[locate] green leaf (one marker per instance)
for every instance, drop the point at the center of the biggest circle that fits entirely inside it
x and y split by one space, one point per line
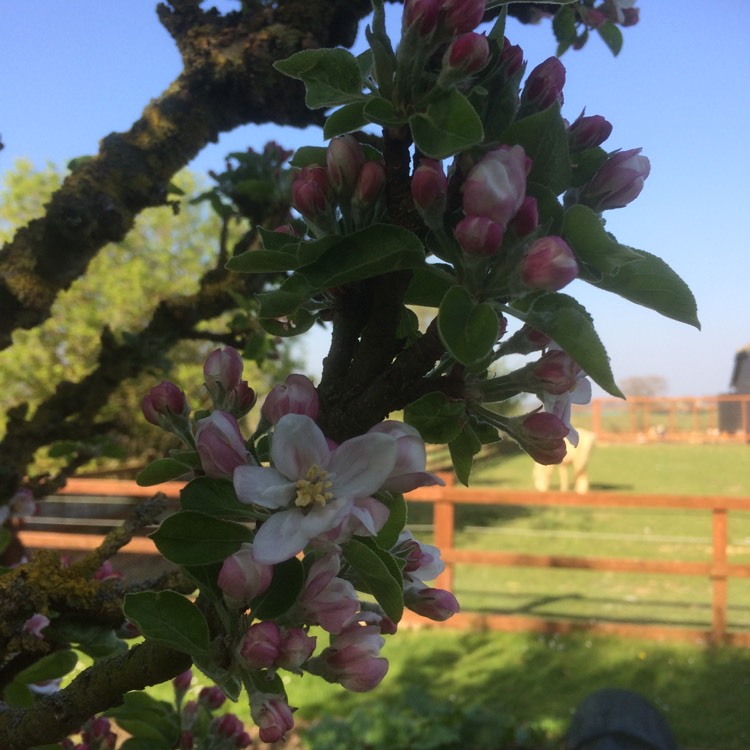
467 328
650 282
438 418
18 695
49 667
170 618
154 722
611 36
93 639
384 58
564 28
161 470
450 124
273 240
586 164
544 138
633 274
388 535
292 325
192 538
551 213
205 577
429 284
308 155
349 117
372 251
379 573
463 449
568 324
262 261
282 303
585 233
229 682
215 497
286 585
382 112
331 76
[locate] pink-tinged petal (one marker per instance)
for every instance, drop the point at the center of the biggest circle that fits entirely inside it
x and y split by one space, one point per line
368 516
287 533
409 482
268 488
297 444
362 464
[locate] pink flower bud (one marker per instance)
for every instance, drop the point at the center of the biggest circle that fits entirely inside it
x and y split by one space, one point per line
468 53
222 370
240 400
187 740
22 504
296 648
526 219
35 624
260 646
542 436
312 194
511 58
370 183
429 189
463 15
296 396
353 659
588 132
496 186
182 682
243 740
549 264
344 159
228 726
327 600
555 372
435 604
421 15
272 714
592 17
630 16
242 578
478 235
618 181
220 445
211 697
544 86
164 402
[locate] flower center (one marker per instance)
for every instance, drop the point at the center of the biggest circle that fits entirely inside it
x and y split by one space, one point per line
312 489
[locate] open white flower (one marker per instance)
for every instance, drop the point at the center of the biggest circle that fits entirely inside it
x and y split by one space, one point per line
312 487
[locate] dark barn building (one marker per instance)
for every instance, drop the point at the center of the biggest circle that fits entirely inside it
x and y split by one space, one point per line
730 412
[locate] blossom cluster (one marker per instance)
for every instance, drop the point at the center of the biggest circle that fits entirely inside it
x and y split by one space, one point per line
311 498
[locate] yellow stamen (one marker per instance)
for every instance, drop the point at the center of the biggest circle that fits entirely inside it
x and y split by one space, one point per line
313 489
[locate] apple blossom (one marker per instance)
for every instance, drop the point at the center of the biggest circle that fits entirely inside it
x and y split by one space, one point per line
220 444
242 577
544 86
296 396
272 714
617 182
549 264
435 604
311 488
478 235
344 159
260 645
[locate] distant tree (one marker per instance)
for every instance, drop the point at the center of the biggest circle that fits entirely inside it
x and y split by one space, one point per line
644 385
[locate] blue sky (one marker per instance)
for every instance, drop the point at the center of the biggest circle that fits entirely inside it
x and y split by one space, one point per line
72 72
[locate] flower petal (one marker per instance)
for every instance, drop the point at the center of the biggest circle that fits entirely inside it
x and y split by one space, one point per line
256 485
297 444
361 465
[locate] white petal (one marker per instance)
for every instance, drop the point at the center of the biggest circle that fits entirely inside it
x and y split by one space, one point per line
361 465
256 485
297 444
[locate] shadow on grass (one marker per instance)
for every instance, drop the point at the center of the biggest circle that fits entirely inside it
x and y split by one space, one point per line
540 679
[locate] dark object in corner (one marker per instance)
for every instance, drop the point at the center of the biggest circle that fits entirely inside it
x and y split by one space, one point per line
614 719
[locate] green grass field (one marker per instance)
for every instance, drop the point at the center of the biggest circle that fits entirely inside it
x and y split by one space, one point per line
607 532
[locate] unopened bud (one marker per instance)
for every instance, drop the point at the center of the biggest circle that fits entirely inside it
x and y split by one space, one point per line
344 159
543 87
618 181
549 264
588 132
429 189
478 235
468 54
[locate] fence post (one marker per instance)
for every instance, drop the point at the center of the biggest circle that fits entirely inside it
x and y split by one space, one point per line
444 521
719 577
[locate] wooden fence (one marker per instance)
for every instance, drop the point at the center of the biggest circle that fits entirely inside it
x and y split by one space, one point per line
718 570
706 419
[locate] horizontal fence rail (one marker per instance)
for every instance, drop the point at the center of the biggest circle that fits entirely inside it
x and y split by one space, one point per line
109 501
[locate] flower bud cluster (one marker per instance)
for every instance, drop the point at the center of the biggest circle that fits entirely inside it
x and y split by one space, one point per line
345 194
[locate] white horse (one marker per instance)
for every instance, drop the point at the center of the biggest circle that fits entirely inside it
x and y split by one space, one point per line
576 457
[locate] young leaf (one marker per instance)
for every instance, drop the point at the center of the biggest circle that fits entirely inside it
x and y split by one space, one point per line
170 618
161 470
331 76
379 573
544 138
382 112
611 36
215 497
192 538
463 449
568 324
308 155
438 418
388 535
467 328
450 124
262 261
49 667
344 120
